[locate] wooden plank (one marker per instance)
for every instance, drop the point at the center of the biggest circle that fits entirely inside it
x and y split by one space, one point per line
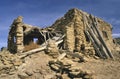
94 44
101 38
58 42
92 31
25 54
98 43
61 56
96 40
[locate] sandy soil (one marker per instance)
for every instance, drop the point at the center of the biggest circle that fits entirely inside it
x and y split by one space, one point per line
36 67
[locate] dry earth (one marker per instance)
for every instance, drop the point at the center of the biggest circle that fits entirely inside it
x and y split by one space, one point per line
36 67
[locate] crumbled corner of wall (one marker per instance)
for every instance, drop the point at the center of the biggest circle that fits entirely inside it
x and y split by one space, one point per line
72 25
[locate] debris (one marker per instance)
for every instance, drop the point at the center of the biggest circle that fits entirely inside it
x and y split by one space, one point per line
64 50
61 56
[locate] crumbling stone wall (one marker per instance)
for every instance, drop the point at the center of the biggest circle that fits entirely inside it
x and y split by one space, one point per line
80 38
22 34
69 31
73 23
15 38
19 37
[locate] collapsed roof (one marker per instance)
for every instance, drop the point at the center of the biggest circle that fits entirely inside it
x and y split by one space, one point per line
76 31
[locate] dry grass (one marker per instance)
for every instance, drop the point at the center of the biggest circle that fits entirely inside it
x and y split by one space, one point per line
31 46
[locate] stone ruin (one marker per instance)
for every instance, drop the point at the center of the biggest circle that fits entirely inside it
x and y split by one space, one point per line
76 31
72 39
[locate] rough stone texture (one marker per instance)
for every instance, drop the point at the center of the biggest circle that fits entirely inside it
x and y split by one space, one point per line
72 25
70 43
15 38
52 49
8 62
33 67
73 20
43 66
76 61
69 69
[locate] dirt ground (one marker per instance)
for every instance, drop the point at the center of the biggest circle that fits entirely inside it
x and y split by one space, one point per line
36 67
102 69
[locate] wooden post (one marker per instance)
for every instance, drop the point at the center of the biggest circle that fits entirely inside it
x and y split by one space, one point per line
95 24
97 41
94 44
93 36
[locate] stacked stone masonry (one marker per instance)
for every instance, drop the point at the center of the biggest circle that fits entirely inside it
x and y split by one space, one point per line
71 24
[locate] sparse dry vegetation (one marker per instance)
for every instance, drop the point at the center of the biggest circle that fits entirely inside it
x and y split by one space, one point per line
31 46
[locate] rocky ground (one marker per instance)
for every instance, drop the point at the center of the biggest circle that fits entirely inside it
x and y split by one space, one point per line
43 66
68 54
118 40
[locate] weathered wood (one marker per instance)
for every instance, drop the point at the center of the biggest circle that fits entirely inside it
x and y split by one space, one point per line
44 35
58 42
92 32
98 43
100 36
109 52
61 56
93 36
91 26
62 37
51 35
25 54
94 44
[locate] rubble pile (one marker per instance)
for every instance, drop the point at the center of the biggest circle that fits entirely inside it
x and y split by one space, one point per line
9 62
67 68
